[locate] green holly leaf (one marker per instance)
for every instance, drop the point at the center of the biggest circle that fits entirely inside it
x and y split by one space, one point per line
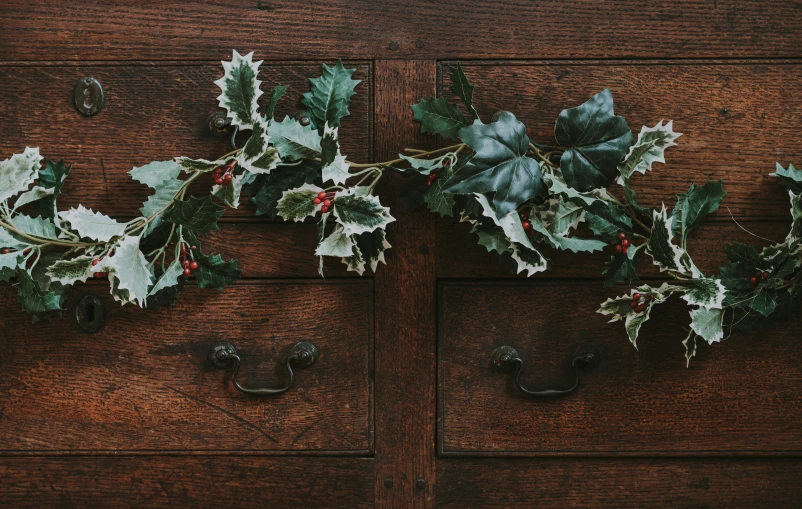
500 164
666 255
9 263
215 273
277 94
460 87
705 292
438 116
359 212
335 168
562 217
18 172
330 95
707 323
439 201
267 189
573 244
229 194
494 240
791 177
92 225
620 268
128 270
166 280
595 139
159 202
747 255
607 220
693 206
156 173
764 302
256 155
240 90
36 301
649 148
197 214
293 140
40 227
510 223
68 272
298 204
336 244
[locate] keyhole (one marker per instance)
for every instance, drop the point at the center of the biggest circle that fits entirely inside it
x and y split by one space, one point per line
90 313
89 99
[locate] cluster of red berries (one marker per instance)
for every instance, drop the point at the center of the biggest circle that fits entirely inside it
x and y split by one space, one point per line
640 306
526 223
6 250
100 275
433 175
753 281
327 199
224 174
188 259
623 243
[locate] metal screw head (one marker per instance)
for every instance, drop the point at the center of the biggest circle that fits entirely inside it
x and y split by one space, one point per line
388 483
502 358
420 483
221 354
304 121
88 96
217 124
306 354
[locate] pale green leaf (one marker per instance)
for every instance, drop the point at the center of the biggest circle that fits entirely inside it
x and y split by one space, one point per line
156 173
293 140
336 244
240 90
92 225
18 172
707 324
35 226
129 270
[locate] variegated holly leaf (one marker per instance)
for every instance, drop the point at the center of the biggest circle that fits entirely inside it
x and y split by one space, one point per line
562 217
230 193
240 90
168 279
620 307
197 165
705 292
293 140
68 272
424 166
510 223
438 116
690 347
92 225
198 214
36 301
791 177
372 246
267 190
666 255
796 219
620 268
649 148
359 212
39 227
128 270
693 206
278 93
335 167
9 263
460 87
500 164
215 273
256 155
36 193
330 95
159 202
18 172
595 141
573 244
707 323
607 220
156 173
298 204
529 260
355 262
557 186
336 244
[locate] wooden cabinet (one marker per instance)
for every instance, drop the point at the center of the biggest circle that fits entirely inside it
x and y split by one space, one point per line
402 408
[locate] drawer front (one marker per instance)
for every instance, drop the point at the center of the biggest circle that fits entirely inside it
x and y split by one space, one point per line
738 397
143 383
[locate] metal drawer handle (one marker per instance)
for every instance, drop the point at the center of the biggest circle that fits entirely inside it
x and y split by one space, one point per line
506 359
302 355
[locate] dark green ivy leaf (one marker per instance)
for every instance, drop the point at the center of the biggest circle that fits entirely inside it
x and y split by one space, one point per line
197 214
693 206
267 189
438 116
330 95
438 200
35 301
595 139
215 273
747 255
460 87
277 94
500 164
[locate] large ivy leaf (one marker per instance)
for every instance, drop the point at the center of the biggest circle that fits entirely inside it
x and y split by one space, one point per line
240 90
693 206
707 293
92 225
256 155
298 204
500 164
707 324
595 141
330 95
156 173
198 214
460 87
649 148
791 177
130 275
666 255
438 116
18 172
293 140
359 213
36 301
764 302
268 189
215 273
68 272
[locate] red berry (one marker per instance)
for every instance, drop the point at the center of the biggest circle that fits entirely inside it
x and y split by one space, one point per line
622 236
624 249
619 248
217 172
429 182
753 281
327 203
184 248
324 208
651 297
316 201
95 262
100 275
193 265
625 243
187 272
218 181
634 304
641 308
636 296
4 250
227 178
527 225
766 275
185 263
321 195
26 251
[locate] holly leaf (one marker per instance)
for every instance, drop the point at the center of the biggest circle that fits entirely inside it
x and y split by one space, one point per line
573 244
620 307
621 267
529 260
500 164
707 324
18 172
595 141
268 189
156 173
355 262
764 302
693 206
372 246
510 224
40 227
336 244
706 293
166 280
45 193
10 241
460 87
690 347
424 166
197 214
298 204
562 217
359 213
197 165
215 273
256 155
439 201
791 178
229 194
557 186
796 219
335 168
92 225
330 95
68 272
607 220
666 255
9 263
128 270
494 240
158 202
277 94
438 116
36 301
293 140
740 253
240 90
649 148
35 194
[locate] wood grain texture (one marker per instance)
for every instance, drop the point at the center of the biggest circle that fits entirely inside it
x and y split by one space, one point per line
405 308
160 482
737 119
746 483
738 397
142 383
153 112
460 256
418 29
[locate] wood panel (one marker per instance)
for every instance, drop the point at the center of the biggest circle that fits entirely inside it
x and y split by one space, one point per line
153 112
143 384
738 397
747 483
159 482
419 29
737 119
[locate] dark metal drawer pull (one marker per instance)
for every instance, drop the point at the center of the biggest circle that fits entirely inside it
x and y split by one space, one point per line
506 359
302 355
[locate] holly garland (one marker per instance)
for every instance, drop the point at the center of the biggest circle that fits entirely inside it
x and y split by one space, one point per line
518 195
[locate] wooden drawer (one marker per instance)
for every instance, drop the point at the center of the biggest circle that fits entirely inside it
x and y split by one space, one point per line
738 397
143 384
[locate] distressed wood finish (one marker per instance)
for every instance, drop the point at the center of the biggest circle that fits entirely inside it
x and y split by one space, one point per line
418 29
142 383
159 482
153 112
737 119
741 397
